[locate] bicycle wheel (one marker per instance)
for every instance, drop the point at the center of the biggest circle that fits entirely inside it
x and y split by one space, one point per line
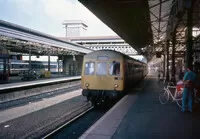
179 99
163 96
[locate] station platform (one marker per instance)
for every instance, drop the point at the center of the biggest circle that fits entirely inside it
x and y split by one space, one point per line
139 115
20 84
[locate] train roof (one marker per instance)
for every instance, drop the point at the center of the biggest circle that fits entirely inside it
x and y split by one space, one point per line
110 53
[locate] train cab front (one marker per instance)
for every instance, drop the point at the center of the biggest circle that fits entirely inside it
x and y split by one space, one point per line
101 88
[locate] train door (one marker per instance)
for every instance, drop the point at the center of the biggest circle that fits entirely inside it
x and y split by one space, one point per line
1 70
4 66
4 73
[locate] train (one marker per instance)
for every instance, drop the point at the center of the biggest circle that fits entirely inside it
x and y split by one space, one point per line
19 66
108 74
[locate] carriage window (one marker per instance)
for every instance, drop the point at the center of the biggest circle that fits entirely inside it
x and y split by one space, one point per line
102 68
22 66
114 68
53 66
1 66
89 68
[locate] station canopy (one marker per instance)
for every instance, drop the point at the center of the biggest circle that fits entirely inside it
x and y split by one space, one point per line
22 40
146 24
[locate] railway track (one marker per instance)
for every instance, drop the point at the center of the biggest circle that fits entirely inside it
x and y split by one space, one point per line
41 122
49 129
54 132
39 96
78 125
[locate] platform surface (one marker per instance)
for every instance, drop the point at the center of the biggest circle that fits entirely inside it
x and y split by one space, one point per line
139 115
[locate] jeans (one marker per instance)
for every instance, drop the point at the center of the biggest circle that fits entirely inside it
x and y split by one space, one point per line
187 99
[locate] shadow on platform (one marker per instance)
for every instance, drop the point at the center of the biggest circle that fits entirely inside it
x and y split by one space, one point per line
148 119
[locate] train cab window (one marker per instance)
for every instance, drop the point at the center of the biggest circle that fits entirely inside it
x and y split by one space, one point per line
101 68
114 68
89 68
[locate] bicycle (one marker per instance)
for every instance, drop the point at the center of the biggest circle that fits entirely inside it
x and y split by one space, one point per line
166 93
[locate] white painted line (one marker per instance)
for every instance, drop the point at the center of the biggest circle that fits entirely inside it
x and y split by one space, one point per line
107 125
6 126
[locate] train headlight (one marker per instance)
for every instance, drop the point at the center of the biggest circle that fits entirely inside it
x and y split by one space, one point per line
87 84
116 85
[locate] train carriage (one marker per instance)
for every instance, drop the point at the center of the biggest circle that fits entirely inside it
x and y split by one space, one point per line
107 74
19 66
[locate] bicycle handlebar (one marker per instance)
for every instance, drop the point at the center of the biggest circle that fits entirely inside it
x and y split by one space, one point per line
168 83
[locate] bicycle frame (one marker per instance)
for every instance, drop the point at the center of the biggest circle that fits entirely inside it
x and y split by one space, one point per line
176 96
169 92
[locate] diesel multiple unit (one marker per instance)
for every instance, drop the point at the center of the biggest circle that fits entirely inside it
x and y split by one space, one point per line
107 74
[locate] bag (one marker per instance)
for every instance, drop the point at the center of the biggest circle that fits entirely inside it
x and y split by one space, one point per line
179 87
188 85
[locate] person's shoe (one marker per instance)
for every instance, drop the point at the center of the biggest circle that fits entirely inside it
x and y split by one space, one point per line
190 110
183 111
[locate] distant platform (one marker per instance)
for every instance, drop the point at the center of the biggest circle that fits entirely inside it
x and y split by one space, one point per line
21 84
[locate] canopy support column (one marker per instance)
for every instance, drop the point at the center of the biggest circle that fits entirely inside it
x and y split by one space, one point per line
167 48
189 44
173 78
29 57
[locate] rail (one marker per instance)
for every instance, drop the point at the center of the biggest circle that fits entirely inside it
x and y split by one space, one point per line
67 123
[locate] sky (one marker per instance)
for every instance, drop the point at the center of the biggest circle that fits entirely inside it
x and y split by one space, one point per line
47 16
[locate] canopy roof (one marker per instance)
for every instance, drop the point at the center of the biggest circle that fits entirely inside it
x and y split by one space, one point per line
146 24
130 19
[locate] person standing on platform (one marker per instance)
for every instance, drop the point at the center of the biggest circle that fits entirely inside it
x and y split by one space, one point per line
180 76
188 91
